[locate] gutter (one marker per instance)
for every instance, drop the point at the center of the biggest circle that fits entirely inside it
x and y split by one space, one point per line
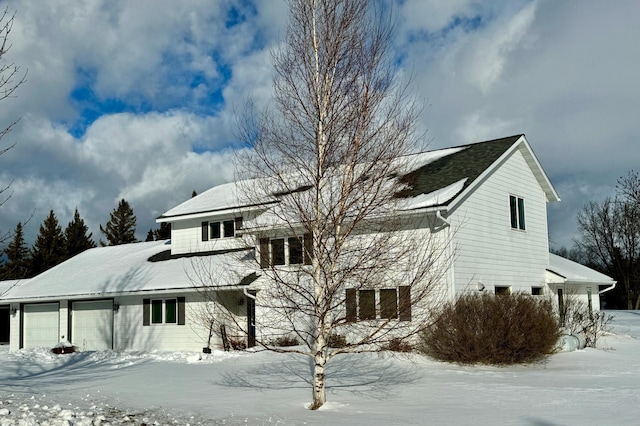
439 216
611 287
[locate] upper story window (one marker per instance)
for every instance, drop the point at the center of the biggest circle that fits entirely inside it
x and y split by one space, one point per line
285 251
221 229
516 206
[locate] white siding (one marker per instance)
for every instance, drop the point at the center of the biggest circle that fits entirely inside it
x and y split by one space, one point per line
131 334
488 249
186 237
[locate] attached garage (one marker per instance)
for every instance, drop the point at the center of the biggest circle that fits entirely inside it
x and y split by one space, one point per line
41 325
92 325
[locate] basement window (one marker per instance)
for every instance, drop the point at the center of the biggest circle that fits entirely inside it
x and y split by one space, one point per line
536 291
502 290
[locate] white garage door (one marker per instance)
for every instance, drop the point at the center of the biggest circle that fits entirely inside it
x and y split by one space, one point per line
41 325
92 325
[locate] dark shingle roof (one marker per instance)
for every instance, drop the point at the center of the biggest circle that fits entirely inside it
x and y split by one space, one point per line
468 163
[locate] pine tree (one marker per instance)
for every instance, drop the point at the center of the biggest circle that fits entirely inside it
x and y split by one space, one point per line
164 232
121 228
49 247
77 236
17 253
149 236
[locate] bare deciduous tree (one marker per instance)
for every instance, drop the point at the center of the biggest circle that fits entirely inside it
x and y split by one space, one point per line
344 268
610 237
10 79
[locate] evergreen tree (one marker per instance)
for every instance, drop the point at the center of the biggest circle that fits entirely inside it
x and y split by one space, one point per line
49 248
164 232
193 193
121 228
17 253
77 236
149 236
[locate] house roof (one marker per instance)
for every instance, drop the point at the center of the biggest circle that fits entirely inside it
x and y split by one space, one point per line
126 269
7 285
570 272
435 178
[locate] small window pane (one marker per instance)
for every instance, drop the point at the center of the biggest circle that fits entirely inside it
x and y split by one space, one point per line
367 304
503 291
536 291
228 228
514 212
170 311
295 251
215 229
277 251
388 303
521 213
156 311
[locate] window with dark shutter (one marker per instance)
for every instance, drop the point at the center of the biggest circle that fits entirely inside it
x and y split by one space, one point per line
351 305
146 311
205 231
264 253
404 297
238 223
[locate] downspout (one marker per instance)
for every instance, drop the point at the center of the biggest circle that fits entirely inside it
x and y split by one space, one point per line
251 296
611 287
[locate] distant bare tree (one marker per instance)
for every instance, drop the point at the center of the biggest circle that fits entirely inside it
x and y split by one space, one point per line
10 79
342 265
610 236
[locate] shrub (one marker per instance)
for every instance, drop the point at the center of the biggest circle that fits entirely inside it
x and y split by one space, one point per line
577 318
488 329
237 343
337 341
398 345
285 341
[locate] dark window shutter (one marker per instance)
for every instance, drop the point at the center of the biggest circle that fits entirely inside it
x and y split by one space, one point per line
404 293
264 253
238 223
308 249
350 299
205 231
146 311
181 311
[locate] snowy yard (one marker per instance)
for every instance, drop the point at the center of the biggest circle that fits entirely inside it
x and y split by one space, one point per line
584 387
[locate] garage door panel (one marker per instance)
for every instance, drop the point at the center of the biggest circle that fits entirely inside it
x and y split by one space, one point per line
41 325
92 325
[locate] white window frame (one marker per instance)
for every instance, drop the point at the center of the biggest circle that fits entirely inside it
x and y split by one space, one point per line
163 311
517 213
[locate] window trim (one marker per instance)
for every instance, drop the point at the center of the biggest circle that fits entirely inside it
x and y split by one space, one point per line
267 245
149 307
517 212
221 229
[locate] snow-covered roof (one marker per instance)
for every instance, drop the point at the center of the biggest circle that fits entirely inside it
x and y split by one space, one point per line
7 285
430 179
126 269
572 272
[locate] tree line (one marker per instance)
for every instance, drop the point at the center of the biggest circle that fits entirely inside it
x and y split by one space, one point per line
53 245
608 240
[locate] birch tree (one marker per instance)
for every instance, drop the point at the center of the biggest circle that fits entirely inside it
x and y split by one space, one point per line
341 265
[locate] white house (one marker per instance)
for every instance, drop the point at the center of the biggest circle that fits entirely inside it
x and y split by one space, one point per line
489 198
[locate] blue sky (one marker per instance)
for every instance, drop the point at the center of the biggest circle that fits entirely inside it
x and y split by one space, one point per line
136 99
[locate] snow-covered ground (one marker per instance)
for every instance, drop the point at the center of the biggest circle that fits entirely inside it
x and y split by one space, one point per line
591 386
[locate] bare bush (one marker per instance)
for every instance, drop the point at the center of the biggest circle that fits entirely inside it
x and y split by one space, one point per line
488 329
575 317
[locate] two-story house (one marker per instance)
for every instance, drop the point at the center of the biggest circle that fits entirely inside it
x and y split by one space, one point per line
488 199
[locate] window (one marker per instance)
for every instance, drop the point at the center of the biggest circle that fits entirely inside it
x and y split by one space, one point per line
387 303
516 207
285 251
163 311
502 290
536 291
226 229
